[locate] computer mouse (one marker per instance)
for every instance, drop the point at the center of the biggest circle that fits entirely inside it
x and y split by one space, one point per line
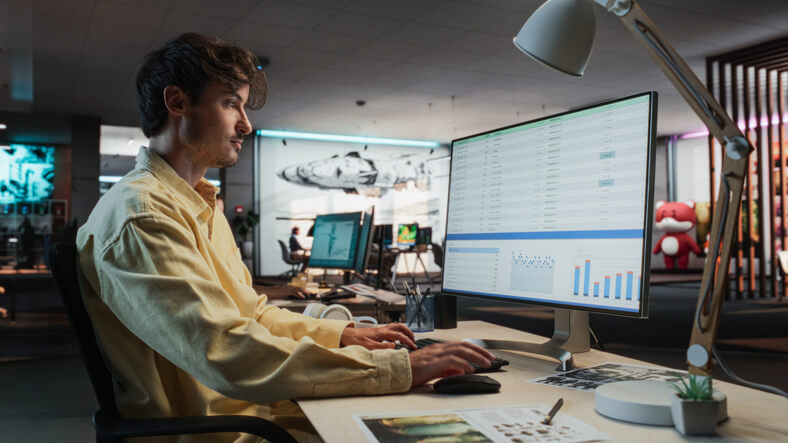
466 384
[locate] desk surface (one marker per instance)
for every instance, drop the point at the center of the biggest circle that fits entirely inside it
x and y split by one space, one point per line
754 415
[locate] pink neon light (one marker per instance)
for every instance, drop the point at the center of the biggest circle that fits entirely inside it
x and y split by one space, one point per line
753 125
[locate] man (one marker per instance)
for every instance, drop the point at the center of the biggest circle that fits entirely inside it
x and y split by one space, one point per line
296 250
171 301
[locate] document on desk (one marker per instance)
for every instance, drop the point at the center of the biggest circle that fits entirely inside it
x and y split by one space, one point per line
380 295
500 425
588 379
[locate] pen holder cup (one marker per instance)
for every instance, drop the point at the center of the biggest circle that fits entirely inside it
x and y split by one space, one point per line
420 313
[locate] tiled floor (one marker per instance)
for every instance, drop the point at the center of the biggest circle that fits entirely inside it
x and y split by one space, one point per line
46 400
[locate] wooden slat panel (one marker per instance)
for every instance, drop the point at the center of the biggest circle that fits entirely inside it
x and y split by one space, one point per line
763 185
739 246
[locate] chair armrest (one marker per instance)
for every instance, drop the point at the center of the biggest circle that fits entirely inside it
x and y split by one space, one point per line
116 427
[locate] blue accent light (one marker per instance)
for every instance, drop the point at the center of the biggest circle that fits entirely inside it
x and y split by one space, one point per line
116 178
346 138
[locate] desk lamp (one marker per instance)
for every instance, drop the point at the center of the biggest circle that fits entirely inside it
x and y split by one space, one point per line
560 35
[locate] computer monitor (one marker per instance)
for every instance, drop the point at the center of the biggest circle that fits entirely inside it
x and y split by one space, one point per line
406 234
385 231
364 241
424 236
335 241
556 211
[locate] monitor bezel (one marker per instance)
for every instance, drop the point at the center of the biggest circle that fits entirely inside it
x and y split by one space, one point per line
351 266
360 266
648 225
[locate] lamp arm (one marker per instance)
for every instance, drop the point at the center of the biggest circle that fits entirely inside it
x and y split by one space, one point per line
733 174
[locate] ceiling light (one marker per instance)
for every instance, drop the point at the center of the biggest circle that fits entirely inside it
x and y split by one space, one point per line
3 126
347 138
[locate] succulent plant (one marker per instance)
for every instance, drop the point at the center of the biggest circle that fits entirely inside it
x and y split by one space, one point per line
694 387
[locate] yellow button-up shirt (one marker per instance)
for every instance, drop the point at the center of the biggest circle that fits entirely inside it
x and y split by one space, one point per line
179 323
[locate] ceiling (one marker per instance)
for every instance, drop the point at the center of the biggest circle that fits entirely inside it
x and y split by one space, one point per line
427 69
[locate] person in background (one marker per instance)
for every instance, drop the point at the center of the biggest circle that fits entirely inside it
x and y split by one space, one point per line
171 302
296 250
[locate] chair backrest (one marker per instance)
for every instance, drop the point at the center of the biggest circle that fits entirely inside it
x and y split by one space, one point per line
286 254
283 246
63 263
437 253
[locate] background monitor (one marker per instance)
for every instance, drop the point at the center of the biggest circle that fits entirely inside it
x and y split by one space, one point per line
335 241
387 232
424 236
406 234
556 211
364 241
26 173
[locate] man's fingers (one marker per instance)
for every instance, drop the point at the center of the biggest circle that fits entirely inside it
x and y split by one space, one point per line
402 328
467 351
392 335
373 344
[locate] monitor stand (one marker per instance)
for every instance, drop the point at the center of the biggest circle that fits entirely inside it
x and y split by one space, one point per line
570 335
324 282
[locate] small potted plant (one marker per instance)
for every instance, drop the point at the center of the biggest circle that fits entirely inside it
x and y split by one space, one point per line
243 223
696 407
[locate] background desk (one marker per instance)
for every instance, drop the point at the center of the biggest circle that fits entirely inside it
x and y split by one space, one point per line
9 277
754 415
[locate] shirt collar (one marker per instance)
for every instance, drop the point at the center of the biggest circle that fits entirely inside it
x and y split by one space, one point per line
200 200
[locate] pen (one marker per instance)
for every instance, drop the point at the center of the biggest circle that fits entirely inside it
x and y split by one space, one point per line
549 417
420 315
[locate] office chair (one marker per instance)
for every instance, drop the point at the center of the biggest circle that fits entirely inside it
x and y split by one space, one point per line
437 255
109 425
294 263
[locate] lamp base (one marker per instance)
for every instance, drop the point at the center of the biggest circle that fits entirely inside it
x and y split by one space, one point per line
643 401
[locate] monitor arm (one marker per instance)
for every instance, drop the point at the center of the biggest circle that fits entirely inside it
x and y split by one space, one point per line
734 169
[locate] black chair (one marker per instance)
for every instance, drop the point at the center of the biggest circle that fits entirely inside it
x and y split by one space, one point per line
437 255
109 425
294 263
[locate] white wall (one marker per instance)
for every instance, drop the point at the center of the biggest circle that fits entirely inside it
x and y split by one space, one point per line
284 204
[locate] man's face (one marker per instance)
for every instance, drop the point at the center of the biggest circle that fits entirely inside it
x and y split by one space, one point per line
217 124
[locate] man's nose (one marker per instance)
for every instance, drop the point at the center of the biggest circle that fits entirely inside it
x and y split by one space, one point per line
244 126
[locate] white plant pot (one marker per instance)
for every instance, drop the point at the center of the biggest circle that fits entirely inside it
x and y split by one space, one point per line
247 249
698 417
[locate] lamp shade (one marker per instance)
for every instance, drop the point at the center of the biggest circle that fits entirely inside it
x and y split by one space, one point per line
560 35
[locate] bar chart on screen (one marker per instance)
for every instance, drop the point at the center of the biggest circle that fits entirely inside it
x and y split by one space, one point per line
605 279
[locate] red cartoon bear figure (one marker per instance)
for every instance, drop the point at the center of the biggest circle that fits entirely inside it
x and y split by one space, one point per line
675 219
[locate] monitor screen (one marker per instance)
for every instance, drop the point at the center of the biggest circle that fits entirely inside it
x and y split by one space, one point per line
26 173
335 239
364 241
424 236
406 234
556 211
387 232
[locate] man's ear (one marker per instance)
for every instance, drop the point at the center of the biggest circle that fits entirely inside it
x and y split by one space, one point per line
176 101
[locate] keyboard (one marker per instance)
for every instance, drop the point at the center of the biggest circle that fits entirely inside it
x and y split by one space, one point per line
336 294
422 342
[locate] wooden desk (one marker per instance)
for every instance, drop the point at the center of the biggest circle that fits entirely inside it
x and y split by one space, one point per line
9 277
754 415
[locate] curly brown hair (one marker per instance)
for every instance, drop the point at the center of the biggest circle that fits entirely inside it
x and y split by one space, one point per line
191 61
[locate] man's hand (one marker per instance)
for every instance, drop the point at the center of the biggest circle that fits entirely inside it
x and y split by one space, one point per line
445 359
382 337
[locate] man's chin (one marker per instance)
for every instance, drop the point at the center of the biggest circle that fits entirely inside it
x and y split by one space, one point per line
227 162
